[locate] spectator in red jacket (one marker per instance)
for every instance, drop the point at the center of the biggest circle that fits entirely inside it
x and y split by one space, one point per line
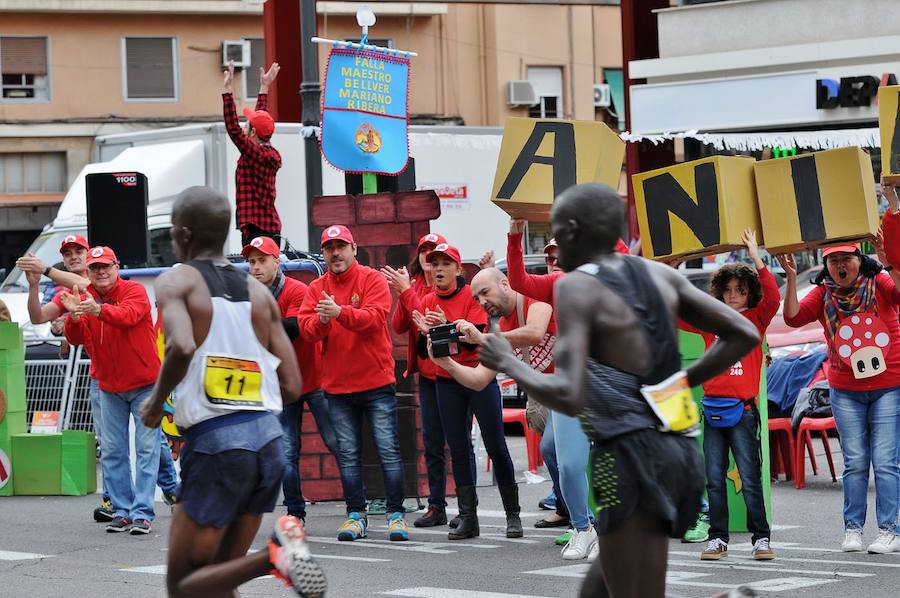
731 415
347 310
115 318
259 162
264 257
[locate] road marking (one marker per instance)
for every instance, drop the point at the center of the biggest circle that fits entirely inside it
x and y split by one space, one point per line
450 593
384 545
761 567
806 560
778 584
492 536
6 555
783 546
781 528
153 569
579 570
497 514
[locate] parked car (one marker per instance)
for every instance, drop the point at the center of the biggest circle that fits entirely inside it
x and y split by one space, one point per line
784 340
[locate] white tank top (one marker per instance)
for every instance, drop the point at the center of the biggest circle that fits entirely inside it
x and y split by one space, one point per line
231 371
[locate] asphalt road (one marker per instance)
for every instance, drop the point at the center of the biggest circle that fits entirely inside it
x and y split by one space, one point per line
50 546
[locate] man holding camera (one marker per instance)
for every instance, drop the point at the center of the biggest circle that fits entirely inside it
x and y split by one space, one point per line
347 309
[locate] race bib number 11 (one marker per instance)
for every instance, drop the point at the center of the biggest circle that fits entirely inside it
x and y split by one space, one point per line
232 381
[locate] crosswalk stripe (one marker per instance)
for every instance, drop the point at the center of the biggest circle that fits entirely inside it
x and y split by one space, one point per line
436 532
451 593
383 545
7 555
760 567
807 560
579 570
781 584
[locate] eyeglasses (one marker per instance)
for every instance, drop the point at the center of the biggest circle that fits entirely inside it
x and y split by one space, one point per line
551 259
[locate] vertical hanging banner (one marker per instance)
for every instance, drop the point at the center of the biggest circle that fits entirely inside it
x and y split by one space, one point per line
888 118
364 110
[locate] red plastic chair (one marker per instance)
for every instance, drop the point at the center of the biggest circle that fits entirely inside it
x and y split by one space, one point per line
532 438
781 446
803 438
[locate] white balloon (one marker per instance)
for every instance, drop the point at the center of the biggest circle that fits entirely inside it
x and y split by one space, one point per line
364 16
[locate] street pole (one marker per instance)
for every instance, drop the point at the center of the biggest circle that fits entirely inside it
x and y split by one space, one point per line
310 94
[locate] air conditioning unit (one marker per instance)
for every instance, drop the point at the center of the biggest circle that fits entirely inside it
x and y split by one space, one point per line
602 96
521 93
238 51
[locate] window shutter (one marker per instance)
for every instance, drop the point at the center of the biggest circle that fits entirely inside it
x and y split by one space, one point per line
23 55
257 60
150 67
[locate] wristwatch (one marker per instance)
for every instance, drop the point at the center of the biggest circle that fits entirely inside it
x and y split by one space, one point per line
47 271
888 268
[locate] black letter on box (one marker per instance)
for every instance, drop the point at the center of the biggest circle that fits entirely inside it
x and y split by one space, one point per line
663 194
562 161
895 144
809 202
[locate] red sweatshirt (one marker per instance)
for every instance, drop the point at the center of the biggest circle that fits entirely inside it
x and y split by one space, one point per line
124 354
536 286
409 301
741 381
309 355
887 298
890 225
356 346
458 306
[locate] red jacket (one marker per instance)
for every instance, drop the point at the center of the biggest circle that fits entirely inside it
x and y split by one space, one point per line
536 286
122 339
887 298
890 224
741 381
458 306
409 301
356 346
309 355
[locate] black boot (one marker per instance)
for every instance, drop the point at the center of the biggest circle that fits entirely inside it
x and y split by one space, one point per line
433 517
510 496
468 515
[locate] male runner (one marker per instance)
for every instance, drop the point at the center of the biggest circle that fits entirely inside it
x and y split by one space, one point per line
230 385
616 318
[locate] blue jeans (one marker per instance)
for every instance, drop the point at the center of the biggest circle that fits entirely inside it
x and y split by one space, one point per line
130 498
743 441
868 425
167 479
291 419
548 453
456 402
433 443
379 406
572 451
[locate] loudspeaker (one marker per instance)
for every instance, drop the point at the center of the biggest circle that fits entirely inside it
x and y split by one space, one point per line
117 215
405 181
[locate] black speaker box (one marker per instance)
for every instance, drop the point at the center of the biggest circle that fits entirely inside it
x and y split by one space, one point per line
405 181
117 215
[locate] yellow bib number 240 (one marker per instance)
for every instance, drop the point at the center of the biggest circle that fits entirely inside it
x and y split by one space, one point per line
233 381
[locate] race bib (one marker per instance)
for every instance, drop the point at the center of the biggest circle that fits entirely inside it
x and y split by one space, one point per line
673 404
232 381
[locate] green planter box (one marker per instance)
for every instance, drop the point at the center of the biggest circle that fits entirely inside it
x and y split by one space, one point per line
15 422
11 337
37 464
79 463
12 383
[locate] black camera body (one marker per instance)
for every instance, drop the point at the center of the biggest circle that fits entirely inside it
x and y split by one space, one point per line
444 340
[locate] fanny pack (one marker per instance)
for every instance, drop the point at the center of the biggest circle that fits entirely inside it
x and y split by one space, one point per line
722 412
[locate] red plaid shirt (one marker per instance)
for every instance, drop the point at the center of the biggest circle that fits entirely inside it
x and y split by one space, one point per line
256 170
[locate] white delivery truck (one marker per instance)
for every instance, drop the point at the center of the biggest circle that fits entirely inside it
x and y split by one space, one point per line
458 162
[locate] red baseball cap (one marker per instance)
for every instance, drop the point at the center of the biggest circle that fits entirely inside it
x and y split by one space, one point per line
444 249
433 238
550 244
74 240
336 232
101 255
260 120
826 251
265 245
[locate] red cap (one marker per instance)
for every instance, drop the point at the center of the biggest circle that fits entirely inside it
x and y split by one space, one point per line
74 240
444 249
337 232
551 243
101 255
265 245
433 238
826 251
262 121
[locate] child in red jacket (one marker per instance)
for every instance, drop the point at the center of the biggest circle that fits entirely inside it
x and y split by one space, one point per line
731 416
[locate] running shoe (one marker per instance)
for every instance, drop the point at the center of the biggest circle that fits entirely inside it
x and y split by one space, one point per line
886 542
140 526
434 516
289 554
354 528
716 549
563 538
699 532
762 551
104 512
580 545
398 531
852 541
119 524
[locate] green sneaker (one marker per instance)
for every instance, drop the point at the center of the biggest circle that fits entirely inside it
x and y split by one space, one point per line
563 538
700 531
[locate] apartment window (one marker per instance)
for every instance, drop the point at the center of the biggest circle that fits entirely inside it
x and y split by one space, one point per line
23 66
251 74
150 68
382 42
33 172
548 85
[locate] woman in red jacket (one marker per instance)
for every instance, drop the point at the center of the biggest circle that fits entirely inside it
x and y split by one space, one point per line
731 416
412 284
452 297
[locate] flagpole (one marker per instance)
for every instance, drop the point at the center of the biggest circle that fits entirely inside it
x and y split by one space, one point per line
310 94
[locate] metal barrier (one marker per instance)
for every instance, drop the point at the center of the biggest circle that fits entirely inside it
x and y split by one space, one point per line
61 385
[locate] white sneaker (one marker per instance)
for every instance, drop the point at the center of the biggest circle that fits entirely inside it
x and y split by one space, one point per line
886 542
579 545
594 553
852 541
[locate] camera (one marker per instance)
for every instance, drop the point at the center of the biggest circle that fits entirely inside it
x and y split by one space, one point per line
444 340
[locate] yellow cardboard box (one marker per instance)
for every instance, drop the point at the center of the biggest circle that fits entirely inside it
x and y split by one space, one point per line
541 158
696 208
815 199
888 116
